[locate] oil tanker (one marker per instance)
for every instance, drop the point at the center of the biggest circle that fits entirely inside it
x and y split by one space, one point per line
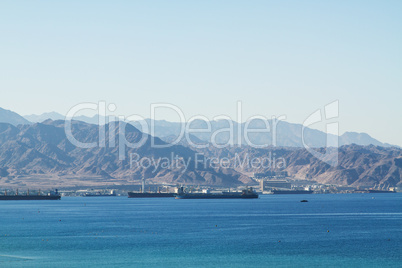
291 192
375 191
148 195
52 196
100 193
245 194
144 194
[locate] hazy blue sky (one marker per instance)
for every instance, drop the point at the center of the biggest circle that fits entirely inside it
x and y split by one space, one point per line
277 57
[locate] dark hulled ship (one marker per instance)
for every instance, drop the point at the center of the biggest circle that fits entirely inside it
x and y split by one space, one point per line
51 196
291 192
245 194
148 194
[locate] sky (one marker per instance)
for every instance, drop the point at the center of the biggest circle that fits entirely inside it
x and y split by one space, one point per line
277 57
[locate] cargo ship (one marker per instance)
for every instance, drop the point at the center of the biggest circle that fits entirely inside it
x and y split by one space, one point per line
373 191
245 194
96 194
291 192
148 194
52 196
144 194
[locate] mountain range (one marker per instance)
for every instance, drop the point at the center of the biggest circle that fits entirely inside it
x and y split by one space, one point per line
33 153
287 134
7 116
358 165
42 150
41 154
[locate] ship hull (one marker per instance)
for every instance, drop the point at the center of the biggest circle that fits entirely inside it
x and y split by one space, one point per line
380 192
149 195
291 192
216 196
98 195
30 197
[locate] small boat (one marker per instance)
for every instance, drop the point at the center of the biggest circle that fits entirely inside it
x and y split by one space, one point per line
304 201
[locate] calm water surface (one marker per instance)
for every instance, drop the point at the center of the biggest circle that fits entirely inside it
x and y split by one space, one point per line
344 230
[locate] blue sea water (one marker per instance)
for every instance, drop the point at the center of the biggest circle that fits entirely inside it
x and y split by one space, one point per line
335 230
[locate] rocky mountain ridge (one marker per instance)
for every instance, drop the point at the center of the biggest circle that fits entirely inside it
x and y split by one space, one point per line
43 150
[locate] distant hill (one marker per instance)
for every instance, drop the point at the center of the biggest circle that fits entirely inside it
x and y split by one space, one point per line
357 165
12 118
56 116
42 117
359 139
42 150
42 153
287 134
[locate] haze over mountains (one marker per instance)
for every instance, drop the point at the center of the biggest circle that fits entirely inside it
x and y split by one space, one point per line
7 116
358 165
42 150
287 134
41 154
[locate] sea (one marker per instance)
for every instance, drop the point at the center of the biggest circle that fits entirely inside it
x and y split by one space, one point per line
330 230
